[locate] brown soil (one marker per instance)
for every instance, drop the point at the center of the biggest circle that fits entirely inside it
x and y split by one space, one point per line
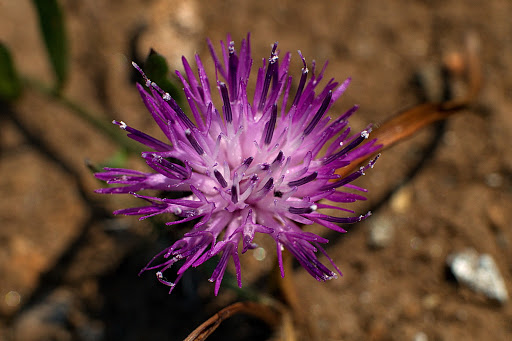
74 265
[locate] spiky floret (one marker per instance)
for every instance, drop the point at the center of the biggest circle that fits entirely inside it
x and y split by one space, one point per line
264 165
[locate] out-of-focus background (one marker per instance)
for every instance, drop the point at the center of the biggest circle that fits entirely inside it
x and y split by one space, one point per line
68 268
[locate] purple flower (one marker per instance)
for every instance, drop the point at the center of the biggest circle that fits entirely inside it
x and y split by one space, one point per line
265 165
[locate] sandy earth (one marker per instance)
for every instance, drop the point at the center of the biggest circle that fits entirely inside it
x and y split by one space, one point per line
68 269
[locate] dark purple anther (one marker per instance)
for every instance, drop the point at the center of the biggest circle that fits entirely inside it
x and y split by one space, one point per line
194 142
304 180
234 194
319 114
165 166
344 181
248 161
177 109
342 220
268 185
302 82
220 179
270 125
268 77
279 158
300 210
233 68
228 116
351 177
143 137
166 97
356 142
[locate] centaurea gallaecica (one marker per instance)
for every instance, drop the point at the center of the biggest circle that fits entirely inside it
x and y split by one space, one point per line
266 165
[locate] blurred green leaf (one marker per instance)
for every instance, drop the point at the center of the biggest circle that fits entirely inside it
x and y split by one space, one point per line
10 85
117 160
51 22
157 70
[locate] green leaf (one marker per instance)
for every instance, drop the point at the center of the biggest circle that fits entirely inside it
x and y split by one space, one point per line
10 85
157 70
51 22
116 160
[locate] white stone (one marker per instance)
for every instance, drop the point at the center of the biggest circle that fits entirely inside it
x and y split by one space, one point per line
478 272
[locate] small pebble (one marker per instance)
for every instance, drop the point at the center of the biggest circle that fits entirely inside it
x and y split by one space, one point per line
420 336
478 272
381 233
401 201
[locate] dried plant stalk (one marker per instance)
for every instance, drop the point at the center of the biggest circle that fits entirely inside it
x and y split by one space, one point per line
408 122
273 313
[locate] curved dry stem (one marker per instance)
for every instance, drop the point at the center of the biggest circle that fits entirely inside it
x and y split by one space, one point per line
272 313
408 122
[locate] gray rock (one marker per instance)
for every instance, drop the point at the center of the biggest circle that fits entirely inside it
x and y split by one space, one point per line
478 272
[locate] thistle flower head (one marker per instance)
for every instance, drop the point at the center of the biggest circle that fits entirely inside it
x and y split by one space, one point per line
264 163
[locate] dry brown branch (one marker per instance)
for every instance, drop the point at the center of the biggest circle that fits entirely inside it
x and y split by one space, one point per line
272 313
408 122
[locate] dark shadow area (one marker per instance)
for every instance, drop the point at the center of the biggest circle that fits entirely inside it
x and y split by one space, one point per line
140 308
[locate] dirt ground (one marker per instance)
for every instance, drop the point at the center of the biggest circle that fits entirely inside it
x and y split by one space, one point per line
68 268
